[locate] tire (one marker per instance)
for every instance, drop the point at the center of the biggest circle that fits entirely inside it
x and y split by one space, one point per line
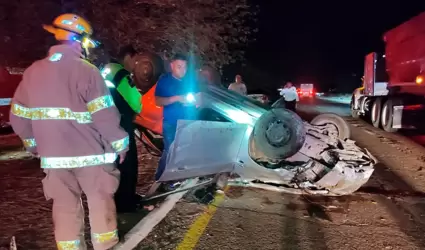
375 113
148 70
387 115
344 131
354 113
278 134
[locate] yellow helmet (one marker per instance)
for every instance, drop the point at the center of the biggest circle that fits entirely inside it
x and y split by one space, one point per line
70 27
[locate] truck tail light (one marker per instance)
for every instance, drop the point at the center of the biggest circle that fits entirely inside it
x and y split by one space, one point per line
419 80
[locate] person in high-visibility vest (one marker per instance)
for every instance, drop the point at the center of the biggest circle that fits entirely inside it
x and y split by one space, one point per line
128 101
64 113
117 78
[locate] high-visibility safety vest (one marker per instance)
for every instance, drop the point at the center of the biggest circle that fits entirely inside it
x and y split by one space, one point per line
117 77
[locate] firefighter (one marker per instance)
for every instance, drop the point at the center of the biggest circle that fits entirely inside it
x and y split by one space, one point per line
64 113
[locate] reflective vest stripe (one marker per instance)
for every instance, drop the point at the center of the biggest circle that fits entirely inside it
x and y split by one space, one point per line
77 161
50 114
105 237
121 144
63 113
29 143
100 103
69 245
21 111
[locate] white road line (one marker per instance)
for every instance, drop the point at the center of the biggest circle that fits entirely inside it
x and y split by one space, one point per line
147 224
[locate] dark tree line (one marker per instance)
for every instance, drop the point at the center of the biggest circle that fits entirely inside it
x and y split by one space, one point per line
215 31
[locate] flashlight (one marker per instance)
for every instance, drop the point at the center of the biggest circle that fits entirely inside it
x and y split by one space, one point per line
190 97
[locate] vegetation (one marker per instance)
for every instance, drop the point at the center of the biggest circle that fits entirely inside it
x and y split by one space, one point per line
216 31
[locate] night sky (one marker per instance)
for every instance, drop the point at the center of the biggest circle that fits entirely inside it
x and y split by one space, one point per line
309 41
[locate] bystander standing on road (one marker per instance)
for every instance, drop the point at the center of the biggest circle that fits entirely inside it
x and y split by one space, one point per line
238 86
290 96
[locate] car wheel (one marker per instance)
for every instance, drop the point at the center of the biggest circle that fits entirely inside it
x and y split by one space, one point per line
341 126
147 71
278 134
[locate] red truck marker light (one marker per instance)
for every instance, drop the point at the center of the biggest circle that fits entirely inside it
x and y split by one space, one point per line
419 80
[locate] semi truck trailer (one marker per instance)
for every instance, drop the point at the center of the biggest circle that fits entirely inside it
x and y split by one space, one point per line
393 93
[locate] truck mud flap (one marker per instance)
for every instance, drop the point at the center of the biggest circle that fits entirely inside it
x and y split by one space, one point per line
408 116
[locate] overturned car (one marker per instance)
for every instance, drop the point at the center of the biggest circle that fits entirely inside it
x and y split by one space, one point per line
268 147
253 144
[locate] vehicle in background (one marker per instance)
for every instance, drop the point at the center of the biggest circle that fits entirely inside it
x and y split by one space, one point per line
306 90
264 99
393 90
264 96
9 81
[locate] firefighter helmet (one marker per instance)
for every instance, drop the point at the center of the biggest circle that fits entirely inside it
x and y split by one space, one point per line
70 27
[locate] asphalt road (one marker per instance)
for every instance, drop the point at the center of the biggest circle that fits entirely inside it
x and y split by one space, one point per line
312 106
387 213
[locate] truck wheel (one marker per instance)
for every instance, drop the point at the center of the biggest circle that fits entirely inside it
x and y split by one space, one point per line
387 116
354 113
278 134
375 114
344 131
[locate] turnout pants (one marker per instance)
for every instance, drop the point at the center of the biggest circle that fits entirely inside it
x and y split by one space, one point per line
64 187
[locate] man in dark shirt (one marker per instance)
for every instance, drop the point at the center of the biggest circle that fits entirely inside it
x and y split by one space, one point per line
179 97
